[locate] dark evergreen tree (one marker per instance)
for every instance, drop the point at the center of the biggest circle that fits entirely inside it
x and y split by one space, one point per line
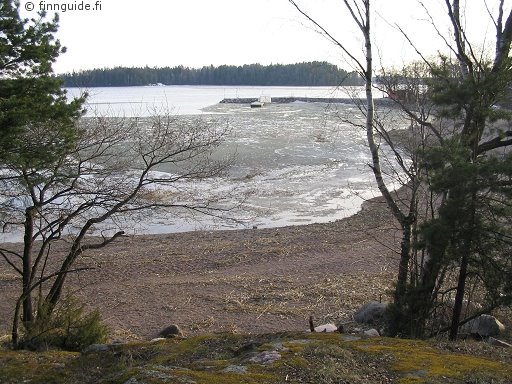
37 124
466 241
30 96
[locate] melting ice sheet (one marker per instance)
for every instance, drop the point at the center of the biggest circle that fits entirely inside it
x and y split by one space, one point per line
296 163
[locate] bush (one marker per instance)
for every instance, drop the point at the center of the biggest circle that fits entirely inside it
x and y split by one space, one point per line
67 327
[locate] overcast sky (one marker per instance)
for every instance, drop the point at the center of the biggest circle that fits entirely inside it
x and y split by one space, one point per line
202 32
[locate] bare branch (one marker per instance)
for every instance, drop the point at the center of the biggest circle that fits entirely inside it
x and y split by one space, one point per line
434 25
497 142
330 37
359 18
5 253
503 39
459 37
105 242
496 23
40 282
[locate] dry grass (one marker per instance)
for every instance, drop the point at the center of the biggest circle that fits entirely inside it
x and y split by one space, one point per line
8 276
332 299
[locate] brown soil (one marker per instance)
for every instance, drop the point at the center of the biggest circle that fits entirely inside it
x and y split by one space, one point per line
251 281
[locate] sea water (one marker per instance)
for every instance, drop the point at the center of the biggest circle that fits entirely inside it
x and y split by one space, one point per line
294 164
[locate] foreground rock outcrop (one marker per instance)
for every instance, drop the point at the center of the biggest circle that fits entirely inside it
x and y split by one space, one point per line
295 357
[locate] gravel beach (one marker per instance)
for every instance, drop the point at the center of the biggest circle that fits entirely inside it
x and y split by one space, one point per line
250 281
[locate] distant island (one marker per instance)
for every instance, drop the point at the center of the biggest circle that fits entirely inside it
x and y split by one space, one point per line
301 74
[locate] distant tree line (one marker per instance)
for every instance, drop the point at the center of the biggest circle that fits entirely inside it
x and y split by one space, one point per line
301 74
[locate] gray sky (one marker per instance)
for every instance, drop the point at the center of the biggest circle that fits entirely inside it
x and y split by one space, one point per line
235 32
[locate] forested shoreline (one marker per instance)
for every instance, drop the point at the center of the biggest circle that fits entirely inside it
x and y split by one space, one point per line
300 74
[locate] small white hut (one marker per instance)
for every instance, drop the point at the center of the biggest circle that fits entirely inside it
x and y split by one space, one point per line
261 102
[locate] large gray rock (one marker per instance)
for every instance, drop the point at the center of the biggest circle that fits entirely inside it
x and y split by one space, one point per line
171 331
371 333
371 313
484 326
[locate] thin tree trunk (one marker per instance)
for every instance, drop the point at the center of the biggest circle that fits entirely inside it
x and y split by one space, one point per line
15 323
54 295
459 297
55 292
404 221
437 243
463 271
403 268
28 314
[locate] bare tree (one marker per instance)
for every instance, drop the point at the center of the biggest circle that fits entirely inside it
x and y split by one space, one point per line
115 168
403 211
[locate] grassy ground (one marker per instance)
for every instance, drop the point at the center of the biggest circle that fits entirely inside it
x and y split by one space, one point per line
272 358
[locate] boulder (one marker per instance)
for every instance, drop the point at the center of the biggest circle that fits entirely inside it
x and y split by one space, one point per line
326 328
372 333
171 331
483 326
371 313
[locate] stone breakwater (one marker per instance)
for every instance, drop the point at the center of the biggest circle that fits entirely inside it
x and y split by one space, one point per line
384 102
